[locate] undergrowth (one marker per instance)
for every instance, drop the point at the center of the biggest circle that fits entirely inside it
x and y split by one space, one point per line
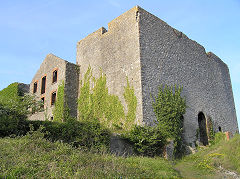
33 156
208 160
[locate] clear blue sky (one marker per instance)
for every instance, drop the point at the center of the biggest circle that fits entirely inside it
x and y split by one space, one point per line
29 30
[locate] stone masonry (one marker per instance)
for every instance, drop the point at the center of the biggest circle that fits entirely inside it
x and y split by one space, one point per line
142 48
67 73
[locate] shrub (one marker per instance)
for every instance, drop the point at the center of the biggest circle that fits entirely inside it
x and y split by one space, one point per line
146 140
87 134
169 107
16 104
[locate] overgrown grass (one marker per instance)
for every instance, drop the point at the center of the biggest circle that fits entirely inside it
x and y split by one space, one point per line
206 162
32 156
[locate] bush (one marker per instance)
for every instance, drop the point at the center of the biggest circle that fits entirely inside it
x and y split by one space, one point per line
169 107
147 141
87 134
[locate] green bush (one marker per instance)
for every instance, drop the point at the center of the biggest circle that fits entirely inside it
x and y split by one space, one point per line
169 107
146 140
16 104
87 134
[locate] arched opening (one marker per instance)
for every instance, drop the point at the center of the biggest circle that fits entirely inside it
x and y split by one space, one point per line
202 128
220 129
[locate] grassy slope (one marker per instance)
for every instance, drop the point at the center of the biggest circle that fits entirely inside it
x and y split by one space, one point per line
34 157
206 162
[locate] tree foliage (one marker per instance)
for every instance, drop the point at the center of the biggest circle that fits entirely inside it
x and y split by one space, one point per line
16 104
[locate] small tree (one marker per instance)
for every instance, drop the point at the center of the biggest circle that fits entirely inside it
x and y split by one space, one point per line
169 107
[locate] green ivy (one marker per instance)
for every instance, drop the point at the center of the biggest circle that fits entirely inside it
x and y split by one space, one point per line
131 101
60 111
85 101
169 107
97 103
210 130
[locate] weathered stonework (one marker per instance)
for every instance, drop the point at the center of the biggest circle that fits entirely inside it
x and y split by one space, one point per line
170 57
67 73
117 53
146 50
150 52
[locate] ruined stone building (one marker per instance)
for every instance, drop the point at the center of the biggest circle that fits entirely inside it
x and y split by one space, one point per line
148 51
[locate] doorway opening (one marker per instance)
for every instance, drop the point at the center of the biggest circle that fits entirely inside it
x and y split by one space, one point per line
202 128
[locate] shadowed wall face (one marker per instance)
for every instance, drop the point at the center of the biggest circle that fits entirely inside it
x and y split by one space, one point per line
169 57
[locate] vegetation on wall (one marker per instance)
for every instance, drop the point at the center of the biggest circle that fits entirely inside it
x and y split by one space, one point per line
60 111
97 103
210 130
131 101
169 107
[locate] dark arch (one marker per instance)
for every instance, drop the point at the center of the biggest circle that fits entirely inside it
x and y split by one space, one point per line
202 128
220 129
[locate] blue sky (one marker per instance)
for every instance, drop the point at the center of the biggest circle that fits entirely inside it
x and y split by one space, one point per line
29 30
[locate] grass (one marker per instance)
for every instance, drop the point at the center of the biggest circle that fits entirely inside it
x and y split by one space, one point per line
32 156
206 162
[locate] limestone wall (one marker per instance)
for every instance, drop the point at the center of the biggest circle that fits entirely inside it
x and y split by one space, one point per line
50 63
71 87
116 52
170 57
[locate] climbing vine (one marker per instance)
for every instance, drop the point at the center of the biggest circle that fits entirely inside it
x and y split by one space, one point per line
210 130
131 101
60 111
169 107
97 103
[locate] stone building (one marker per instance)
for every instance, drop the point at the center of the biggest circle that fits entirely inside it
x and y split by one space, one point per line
53 72
149 52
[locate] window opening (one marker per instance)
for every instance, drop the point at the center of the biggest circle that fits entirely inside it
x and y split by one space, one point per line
54 76
35 87
43 88
53 98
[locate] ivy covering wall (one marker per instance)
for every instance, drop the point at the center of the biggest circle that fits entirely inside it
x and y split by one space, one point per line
96 103
60 111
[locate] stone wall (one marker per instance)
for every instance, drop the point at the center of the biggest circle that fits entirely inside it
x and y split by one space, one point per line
170 57
71 87
50 64
116 52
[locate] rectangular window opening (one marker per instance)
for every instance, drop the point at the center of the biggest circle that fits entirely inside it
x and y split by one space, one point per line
43 100
43 88
35 87
54 76
53 98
